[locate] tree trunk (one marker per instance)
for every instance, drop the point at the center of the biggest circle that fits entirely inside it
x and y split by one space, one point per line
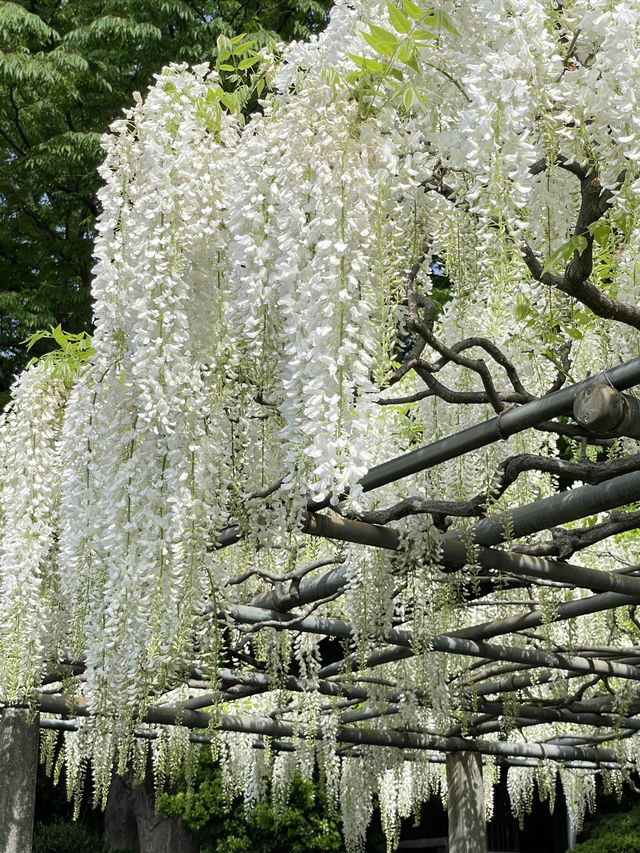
467 829
159 834
19 744
131 822
120 827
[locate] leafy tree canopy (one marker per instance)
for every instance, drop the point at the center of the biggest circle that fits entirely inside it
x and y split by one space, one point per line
66 71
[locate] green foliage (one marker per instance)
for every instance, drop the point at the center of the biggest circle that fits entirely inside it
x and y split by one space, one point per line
73 350
66 72
614 833
400 54
62 837
306 825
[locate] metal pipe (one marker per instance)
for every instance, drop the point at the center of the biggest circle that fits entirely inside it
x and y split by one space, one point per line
455 553
402 642
600 408
502 426
620 377
558 509
560 715
168 715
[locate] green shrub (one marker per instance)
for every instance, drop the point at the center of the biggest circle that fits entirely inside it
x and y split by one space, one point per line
64 837
306 825
614 833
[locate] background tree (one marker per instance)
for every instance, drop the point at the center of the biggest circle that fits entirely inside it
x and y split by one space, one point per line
66 72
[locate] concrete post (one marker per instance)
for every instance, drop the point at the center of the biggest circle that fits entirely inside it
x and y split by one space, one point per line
19 744
467 829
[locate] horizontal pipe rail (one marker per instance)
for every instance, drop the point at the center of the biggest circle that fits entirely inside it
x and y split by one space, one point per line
402 647
259 725
621 377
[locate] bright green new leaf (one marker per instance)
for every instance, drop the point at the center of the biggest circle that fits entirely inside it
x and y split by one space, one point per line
600 231
443 22
366 64
400 22
384 47
423 35
412 10
248 62
224 48
408 97
564 252
407 55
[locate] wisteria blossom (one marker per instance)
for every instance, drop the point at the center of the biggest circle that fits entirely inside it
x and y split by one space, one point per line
430 216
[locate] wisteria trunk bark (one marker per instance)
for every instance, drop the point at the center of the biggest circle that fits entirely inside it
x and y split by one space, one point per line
467 828
131 821
19 741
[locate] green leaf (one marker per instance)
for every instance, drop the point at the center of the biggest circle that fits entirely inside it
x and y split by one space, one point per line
381 47
408 97
381 40
225 67
576 334
400 22
600 232
406 54
367 64
575 244
412 10
423 35
443 22
248 62
224 47
59 337
522 307
579 244
260 86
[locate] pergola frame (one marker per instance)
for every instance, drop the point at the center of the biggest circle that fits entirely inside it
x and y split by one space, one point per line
502 669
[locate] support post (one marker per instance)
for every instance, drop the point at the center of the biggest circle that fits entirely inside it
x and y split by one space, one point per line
19 742
467 828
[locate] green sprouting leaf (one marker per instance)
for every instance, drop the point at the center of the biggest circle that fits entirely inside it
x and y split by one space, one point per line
406 54
423 35
574 333
400 22
443 22
248 62
600 232
225 67
243 47
230 100
579 243
522 308
59 337
381 40
381 47
225 48
366 64
408 97
564 252
412 10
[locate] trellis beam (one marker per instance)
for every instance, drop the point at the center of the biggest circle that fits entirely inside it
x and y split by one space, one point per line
451 643
260 725
508 423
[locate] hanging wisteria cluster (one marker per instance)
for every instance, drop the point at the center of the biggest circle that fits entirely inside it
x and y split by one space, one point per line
429 217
